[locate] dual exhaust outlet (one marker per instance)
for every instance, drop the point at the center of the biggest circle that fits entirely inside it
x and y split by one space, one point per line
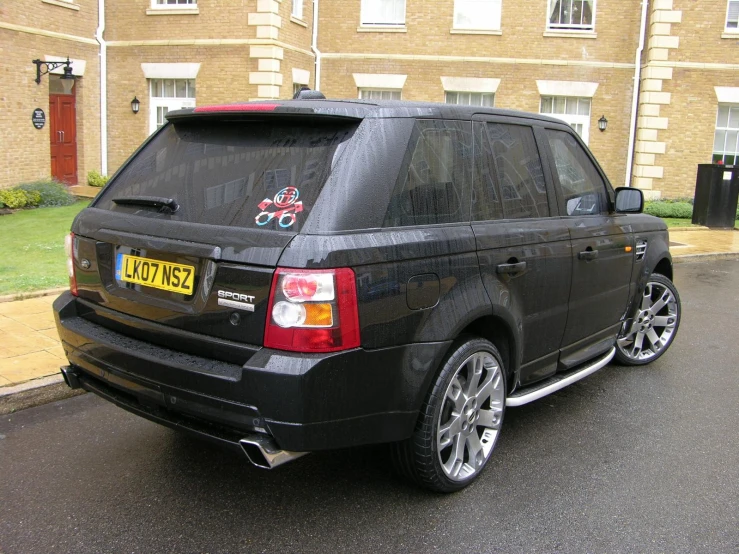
260 450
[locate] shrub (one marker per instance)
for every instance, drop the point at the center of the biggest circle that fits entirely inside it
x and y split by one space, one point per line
51 193
94 179
14 199
669 208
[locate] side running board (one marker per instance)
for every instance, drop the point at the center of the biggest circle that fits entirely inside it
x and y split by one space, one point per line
553 384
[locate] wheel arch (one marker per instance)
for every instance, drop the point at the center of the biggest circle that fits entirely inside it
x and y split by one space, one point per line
496 330
664 267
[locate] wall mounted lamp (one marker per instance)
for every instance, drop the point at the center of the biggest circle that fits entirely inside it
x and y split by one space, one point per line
602 123
135 105
67 78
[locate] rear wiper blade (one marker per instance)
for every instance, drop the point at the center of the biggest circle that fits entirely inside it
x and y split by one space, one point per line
165 205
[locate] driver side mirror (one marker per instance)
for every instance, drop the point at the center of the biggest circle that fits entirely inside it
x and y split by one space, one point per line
629 200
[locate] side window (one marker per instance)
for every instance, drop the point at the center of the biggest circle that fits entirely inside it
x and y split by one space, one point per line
582 187
434 181
486 203
518 170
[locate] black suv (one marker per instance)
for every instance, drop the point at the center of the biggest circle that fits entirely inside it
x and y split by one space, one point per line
303 275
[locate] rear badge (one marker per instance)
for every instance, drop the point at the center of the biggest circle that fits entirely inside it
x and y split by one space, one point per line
236 300
288 206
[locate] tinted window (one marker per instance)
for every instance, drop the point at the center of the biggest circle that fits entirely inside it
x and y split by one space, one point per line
486 203
582 187
518 170
246 173
434 181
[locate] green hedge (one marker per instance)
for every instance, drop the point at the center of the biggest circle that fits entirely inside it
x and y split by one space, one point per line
677 208
37 194
94 179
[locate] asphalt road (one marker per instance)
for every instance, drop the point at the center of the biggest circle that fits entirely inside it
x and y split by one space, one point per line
628 460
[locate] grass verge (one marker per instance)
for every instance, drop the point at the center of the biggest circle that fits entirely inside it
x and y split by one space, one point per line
32 249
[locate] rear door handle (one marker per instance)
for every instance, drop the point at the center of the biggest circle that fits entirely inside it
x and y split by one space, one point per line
510 268
588 255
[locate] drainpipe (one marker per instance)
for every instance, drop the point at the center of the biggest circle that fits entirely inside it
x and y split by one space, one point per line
103 88
637 86
314 46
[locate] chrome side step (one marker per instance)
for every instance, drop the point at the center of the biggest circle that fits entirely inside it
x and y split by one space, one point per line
556 383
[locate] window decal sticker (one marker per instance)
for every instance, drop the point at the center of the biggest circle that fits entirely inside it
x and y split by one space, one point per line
288 206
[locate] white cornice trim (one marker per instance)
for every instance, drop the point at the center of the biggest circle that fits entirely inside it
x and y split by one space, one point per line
696 65
473 59
45 33
470 84
379 80
209 42
170 70
581 89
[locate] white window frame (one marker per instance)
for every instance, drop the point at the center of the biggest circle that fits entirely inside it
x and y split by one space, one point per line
297 10
170 102
369 93
367 17
573 120
469 96
726 130
174 4
476 6
735 28
569 28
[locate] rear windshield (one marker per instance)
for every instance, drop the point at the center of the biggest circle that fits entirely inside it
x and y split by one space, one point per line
257 174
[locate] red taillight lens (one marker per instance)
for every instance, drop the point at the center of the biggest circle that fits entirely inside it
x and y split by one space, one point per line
70 247
312 311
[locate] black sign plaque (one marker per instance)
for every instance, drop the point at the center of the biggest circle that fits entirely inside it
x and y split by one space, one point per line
38 118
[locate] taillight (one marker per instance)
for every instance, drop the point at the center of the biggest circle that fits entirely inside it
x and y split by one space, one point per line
312 311
70 247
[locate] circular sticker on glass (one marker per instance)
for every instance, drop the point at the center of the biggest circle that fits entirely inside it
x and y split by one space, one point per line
286 197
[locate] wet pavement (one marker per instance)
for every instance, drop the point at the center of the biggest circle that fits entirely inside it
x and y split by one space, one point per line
627 460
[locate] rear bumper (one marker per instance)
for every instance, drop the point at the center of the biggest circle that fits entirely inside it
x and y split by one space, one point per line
306 402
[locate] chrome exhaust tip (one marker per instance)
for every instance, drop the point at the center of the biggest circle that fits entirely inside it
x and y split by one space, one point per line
263 452
71 377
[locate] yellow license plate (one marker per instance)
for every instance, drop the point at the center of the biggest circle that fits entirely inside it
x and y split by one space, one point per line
155 273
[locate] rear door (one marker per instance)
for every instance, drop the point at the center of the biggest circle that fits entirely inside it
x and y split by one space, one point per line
524 252
602 249
188 233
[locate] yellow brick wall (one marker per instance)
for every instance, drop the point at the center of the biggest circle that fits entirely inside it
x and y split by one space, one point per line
25 155
700 33
517 90
523 24
692 115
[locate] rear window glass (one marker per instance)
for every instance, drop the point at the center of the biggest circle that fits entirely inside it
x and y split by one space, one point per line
257 174
434 185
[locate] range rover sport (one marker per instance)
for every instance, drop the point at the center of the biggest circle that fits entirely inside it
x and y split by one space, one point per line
304 275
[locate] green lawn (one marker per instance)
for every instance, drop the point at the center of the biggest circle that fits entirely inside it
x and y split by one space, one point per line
673 222
32 248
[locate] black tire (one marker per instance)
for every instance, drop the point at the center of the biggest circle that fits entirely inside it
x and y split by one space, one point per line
420 458
656 323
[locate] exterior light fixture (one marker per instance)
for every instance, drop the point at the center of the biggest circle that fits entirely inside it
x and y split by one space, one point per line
135 104
67 78
602 123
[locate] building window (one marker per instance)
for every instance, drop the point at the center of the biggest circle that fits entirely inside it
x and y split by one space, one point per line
732 16
486 99
383 12
726 138
477 14
378 94
297 12
166 95
573 111
571 15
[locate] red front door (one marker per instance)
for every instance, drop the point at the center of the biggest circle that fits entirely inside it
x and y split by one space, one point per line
63 127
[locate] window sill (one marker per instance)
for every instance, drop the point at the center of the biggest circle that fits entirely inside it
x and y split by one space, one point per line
173 11
298 21
62 4
475 32
571 34
382 29
730 35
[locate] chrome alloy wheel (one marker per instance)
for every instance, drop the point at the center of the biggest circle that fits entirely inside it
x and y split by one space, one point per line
471 416
654 325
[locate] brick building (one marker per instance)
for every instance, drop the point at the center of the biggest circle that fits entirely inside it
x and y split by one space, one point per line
575 59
